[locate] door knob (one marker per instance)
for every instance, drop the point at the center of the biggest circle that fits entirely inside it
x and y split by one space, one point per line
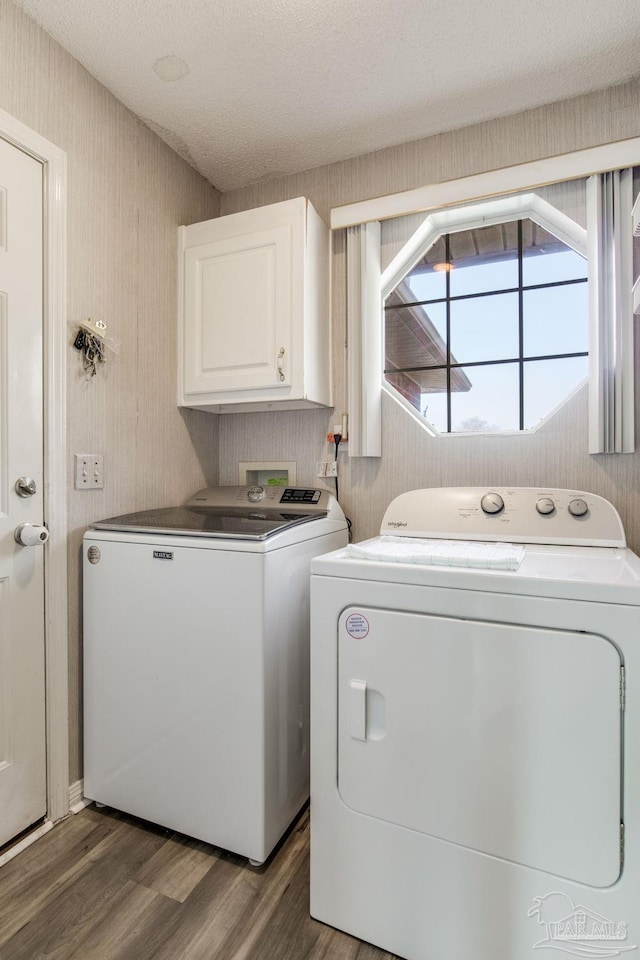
30 534
25 487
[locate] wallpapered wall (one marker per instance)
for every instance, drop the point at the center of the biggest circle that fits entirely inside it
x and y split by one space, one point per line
127 194
557 454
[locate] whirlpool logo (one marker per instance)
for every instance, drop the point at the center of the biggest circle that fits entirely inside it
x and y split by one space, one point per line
396 523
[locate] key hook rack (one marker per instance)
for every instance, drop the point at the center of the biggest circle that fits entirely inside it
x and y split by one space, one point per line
92 340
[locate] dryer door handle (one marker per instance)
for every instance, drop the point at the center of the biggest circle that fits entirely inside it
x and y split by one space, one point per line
358 709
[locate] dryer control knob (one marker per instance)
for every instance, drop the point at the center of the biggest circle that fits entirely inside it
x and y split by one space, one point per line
492 503
545 506
578 507
255 494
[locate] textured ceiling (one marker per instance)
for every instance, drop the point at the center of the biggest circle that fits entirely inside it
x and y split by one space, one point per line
247 90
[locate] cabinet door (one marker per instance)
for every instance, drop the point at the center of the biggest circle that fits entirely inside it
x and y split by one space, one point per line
241 293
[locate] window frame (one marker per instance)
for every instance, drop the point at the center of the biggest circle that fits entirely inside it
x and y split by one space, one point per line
528 206
358 215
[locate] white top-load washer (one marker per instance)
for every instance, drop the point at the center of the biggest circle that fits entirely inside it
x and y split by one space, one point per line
475 728
196 661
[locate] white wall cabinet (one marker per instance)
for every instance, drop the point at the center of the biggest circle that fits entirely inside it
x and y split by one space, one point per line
254 315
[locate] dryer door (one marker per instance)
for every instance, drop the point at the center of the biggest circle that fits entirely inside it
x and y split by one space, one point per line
505 739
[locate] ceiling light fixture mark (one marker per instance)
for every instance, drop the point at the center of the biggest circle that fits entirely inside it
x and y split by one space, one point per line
171 68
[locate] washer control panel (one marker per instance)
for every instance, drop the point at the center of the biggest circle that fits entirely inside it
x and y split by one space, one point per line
294 495
515 514
295 499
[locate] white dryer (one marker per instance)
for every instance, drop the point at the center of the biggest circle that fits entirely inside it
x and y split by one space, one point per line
475 729
196 661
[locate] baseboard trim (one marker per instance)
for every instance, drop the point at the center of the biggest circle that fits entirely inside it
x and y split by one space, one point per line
77 800
25 842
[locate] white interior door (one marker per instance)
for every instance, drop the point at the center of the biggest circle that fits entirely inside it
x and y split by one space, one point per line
22 707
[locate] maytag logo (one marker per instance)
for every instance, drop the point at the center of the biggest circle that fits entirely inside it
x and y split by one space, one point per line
396 523
163 554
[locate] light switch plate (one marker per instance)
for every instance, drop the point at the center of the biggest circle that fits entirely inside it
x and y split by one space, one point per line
89 471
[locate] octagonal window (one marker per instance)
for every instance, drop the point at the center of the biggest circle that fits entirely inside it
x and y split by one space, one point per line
486 329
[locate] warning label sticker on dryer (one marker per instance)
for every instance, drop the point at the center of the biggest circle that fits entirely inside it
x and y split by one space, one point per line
357 626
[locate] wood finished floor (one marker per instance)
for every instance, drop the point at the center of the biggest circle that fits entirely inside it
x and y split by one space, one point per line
104 886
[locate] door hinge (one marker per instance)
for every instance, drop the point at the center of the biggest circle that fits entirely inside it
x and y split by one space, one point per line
623 688
621 844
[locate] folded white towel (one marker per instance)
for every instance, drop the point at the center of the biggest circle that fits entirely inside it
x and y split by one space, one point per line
450 553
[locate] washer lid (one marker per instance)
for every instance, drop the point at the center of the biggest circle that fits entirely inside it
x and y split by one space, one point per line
241 513
240 523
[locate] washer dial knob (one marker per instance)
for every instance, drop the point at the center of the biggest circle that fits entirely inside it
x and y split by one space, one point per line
545 506
492 503
578 507
255 494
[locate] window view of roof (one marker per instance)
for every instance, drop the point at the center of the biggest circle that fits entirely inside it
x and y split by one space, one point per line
488 330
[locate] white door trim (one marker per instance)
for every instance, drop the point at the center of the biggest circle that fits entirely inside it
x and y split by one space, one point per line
54 163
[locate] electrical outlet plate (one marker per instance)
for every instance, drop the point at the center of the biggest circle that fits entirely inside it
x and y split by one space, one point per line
326 468
89 471
341 428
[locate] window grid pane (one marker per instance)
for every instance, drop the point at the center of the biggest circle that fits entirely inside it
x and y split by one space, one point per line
491 402
485 328
546 384
437 387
